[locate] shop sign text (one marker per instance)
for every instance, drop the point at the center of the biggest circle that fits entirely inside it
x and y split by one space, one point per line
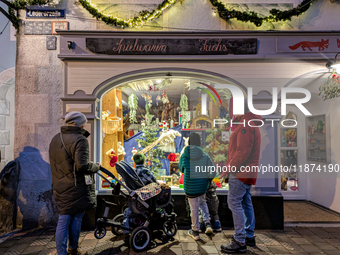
149 46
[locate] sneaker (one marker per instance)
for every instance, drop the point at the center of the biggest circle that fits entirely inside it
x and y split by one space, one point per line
202 227
76 252
217 226
250 241
194 234
234 247
208 228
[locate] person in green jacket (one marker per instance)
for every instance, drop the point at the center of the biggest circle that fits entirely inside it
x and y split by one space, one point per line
198 171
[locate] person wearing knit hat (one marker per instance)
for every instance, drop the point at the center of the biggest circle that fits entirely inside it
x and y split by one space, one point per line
146 176
75 119
72 180
139 159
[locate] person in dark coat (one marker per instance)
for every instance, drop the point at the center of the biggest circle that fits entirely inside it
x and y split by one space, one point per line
243 157
197 168
72 180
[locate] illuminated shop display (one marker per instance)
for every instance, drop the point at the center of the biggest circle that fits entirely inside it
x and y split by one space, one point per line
155 117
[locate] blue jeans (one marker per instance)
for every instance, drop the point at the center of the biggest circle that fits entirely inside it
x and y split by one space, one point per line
68 225
240 204
196 204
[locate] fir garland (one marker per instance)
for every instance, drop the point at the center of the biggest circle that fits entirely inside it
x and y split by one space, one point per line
253 17
144 16
20 4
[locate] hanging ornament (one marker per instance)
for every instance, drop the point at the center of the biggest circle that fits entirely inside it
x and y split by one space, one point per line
113 158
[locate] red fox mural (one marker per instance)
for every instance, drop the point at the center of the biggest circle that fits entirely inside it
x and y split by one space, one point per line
305 44
338 42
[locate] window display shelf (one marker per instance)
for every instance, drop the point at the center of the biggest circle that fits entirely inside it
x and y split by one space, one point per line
318 140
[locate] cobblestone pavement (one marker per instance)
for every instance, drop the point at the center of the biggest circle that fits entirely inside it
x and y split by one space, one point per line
298 240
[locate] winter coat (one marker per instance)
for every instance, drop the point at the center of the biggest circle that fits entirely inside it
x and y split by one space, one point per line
196 166
244 148
70 191
145 175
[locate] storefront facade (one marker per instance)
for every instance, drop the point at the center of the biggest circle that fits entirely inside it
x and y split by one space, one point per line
91 73
78 74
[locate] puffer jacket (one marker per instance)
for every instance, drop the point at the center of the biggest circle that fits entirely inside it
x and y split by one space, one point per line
244 148
70 191
196 166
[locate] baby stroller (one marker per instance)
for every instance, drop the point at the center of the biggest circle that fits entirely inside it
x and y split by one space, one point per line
150 205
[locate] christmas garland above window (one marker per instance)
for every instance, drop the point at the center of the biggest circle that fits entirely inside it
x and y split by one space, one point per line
224 12
253 17
144 16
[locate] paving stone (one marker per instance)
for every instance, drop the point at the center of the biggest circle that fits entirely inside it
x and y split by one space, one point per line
320 232
310 248
90 236
173 251
301 240
332 229
33 249
51 245
11 253
48 252
7 244
2 250
29 239
315 239
89 243
191 253
189 246
208 249
333 252
333 241
229 233
326 247
269 241
18 247
291 246
278 249
40 242
186 239
304 231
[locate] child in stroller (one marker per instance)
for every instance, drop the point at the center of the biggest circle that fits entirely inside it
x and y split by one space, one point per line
150 206
146 177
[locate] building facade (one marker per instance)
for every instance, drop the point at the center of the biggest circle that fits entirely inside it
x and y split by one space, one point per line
75 67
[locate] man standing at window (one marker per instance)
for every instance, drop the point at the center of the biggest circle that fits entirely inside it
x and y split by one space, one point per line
72 180
243 152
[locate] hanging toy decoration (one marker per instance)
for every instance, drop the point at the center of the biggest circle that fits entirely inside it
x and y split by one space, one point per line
133 105
113 157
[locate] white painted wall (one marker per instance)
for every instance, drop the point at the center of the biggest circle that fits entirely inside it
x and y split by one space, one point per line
324 188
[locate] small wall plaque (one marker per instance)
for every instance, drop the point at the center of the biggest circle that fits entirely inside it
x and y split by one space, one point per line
59 25
37 28
51 42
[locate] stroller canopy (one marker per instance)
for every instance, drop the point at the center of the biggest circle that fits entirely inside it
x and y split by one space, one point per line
129 175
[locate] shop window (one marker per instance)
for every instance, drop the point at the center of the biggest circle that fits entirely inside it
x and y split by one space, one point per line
289 154
146 116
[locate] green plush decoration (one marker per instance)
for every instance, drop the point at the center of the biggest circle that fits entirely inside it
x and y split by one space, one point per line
217 149
184 102
133 104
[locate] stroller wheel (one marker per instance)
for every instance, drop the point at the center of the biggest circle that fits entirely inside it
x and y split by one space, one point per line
169 228
140 238
99 232
116 230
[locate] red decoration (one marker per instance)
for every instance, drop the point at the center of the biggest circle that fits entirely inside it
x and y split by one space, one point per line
172 157
309 45
113 159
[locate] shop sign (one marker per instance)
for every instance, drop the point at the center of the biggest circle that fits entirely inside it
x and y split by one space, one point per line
44 13
308 44
149 46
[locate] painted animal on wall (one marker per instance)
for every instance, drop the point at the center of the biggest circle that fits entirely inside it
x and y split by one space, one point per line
306 44
338 42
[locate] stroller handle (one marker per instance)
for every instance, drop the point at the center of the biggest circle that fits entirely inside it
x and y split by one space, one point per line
105 171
